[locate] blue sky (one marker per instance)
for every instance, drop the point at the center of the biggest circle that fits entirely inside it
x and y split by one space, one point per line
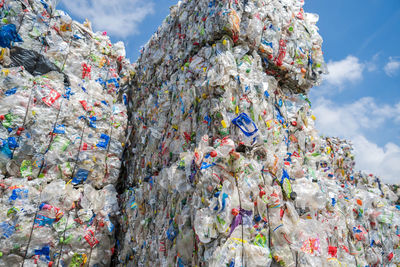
359 99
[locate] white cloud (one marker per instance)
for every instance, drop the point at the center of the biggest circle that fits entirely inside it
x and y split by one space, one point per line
382 161
120 18
352 121
346 120
392 67
346 70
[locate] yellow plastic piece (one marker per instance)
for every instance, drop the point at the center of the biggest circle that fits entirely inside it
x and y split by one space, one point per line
223 124
239 240
3 50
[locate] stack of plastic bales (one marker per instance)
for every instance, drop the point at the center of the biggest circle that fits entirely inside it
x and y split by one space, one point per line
222 167
63 124
223 164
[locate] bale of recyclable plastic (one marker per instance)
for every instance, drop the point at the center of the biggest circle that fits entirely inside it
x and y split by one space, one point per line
63 122
223 165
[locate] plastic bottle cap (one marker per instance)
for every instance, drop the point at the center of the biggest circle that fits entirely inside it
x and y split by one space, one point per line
235 212
294 123
213 154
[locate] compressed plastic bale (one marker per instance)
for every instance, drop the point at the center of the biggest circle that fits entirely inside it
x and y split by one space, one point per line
55 126
222 146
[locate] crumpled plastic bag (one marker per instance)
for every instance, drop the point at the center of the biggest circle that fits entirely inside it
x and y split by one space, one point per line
35 63
8 34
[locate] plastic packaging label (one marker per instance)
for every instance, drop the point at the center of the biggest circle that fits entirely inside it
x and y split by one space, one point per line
51 98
